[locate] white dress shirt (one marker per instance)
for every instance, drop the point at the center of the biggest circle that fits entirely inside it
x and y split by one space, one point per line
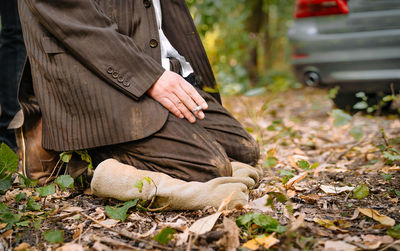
167 50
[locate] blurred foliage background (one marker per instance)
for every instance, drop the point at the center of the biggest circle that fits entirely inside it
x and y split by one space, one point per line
246 43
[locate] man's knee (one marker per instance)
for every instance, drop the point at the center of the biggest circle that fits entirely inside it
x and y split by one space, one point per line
250 152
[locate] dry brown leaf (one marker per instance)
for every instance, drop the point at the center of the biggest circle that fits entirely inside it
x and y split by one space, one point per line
230 241
297 223
261 242
260 204
204 224
22 247
70 247
109 223
339 246
295 180
225 202
333 224
291 193
311 198
7 234
3 225
383 219
335 190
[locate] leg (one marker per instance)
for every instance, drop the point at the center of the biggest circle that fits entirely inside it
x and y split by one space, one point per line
229 133
12 55
180 149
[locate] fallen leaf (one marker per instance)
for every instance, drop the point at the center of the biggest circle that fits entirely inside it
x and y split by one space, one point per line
70 247
3 225
311 198
383 219
335 190
291 193
361 191
261 242
7 234
339 246
260 204
231 240
22 247
108 223
295 180
204 224
333 224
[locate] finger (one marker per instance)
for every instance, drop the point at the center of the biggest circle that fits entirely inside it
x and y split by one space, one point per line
172 108
182 108
189 102
194 94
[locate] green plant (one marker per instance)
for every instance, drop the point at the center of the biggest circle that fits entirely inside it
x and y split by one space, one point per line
257 223
8 166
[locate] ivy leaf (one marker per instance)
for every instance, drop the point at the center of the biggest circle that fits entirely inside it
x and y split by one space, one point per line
46 190
357 132
20 197
264 222
64 182
119 213
5 184
65 156
361 191
26 182
7 217
303 164
341 118
165 235
32 205
394 232
8 161
54 236
360 105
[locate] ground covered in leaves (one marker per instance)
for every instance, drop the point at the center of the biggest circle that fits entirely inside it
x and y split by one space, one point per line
332 182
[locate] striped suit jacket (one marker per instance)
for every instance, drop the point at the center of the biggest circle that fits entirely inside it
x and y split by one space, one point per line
91 62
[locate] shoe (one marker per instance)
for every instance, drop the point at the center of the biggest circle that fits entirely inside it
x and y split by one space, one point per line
37 163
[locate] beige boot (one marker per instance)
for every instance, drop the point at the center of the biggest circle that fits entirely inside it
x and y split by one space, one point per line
250 175
116 180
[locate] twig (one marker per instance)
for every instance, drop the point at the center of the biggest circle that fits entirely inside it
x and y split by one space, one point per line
114 242
124 233
159 209
349 149
390 245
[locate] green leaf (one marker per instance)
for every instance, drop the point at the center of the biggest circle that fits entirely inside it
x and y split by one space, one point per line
148 179
270 162
23 224
65 156
5 184
119 213
394 232
139 185
165 235
8 161
36 224
255 92
54 236
357 132
397 192
244 220
46 190
341 118
303 164
7 217
391 157
361 95
26 182
64 182
386 176
20 197
32 205
360 105
286 175
361 191
315 165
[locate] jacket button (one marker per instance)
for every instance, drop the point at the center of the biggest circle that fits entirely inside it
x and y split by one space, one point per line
110 70
147 3
127 83
121 79
153 43
115 74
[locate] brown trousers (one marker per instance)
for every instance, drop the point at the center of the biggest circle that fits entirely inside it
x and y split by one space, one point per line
192 152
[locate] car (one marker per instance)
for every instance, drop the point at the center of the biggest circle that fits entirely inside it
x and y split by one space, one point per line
353 44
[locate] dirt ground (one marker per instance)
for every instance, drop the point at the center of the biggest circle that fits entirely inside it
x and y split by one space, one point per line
298 125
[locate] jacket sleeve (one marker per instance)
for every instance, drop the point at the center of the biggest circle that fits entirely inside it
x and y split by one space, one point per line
94 40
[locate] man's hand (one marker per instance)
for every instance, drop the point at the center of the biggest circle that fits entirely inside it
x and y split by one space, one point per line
178 96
